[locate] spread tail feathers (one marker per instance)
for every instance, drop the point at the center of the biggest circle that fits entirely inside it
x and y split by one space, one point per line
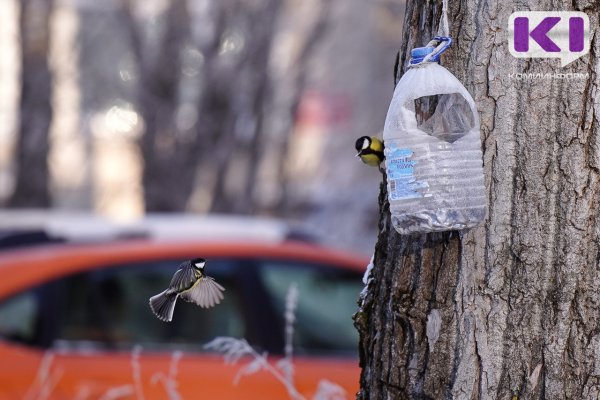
163 305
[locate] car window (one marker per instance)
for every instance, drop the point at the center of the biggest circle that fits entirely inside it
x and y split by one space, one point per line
108 308
19 316
326 302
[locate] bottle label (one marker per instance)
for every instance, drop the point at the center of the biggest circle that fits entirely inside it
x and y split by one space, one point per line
401 178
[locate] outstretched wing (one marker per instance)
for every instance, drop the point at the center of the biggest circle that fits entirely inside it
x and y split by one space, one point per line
184 278
206 293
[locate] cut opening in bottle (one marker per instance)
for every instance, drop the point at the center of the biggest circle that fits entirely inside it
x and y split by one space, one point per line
447 117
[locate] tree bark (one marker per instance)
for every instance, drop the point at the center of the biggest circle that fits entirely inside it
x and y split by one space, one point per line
516 299
32 145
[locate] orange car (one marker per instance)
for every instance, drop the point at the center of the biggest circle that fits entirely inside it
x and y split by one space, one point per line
75 321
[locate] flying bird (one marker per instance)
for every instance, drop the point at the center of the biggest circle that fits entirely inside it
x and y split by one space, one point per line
191 284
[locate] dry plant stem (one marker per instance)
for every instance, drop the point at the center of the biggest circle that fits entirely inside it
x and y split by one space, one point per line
170 382
234 349
267 366
291 302
137 372
45 379
118 392
41 376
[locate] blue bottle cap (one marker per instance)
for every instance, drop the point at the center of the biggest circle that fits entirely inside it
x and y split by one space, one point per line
420 52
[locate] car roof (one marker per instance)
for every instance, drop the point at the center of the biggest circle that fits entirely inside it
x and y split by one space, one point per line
38 226
23 268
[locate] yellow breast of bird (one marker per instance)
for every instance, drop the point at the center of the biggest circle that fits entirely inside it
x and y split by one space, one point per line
370 159
193 285
376 145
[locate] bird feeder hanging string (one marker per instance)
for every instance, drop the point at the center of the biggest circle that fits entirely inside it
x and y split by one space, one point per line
443 27
441 42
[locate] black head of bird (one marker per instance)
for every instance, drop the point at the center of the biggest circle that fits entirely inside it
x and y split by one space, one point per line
191 284
198 263
370 150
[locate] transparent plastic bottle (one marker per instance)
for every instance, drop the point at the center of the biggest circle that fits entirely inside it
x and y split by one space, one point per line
433 152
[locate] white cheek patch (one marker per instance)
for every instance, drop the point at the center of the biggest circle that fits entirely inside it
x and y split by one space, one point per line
365 144
200 265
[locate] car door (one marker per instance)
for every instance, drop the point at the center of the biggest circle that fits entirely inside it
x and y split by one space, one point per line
92 334
98 339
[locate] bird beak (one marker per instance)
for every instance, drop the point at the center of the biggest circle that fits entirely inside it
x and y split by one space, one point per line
358 155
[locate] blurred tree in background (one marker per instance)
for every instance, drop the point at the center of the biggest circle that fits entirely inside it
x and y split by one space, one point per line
168 153
222 123
31 150
231 106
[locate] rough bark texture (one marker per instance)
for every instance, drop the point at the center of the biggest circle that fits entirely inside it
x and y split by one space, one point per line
32 145
518 297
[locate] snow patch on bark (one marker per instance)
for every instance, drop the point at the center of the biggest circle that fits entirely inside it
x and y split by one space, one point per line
535 376
367 274
366 279
434 325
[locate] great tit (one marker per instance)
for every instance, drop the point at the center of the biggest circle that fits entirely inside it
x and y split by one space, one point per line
192 285
370 150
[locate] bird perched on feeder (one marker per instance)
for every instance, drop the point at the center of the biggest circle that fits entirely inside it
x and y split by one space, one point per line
192 285
370 150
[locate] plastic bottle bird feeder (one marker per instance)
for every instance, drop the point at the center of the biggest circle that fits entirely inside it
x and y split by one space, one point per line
433 149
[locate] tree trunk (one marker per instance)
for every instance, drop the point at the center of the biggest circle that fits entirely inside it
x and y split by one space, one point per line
168 152
32 145
507 310
247 110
